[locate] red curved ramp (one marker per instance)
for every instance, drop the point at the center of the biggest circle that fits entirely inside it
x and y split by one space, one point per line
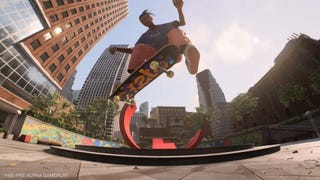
124 123
196 139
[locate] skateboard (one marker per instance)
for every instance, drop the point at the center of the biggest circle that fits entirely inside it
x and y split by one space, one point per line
153 67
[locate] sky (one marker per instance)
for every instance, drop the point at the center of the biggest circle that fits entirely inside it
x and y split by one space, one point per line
238 42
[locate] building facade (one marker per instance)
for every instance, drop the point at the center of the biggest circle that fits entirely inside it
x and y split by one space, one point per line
42 42
293 68
212 99
169 117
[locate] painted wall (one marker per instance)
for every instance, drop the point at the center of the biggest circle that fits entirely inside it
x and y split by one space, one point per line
42 131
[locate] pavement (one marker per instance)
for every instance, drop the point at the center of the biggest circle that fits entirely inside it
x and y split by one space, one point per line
298 160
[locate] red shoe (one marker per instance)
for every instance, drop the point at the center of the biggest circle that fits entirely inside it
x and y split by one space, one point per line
192 57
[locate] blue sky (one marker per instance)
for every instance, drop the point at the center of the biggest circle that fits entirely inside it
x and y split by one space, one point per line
238 41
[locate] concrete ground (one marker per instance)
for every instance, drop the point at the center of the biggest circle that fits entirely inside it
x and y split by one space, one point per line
298 160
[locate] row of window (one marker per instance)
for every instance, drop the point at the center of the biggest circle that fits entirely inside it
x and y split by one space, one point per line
20 74
48 3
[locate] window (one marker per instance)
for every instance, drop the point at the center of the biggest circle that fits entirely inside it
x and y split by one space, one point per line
64 40
60 77
28 88
73 59
52 67
35 44
47 36
69 50
55 47
73 11
67 67
21 70
54 18
70 1
73 34
22 83
81 9
76 44
6 70
84 18
61 58
68 25
44 56
83 39
80 53
60 2
77 21
47 4
14 77
79 30
64 14
14 63
58 30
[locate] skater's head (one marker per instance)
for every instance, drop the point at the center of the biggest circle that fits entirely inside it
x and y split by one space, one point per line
146 18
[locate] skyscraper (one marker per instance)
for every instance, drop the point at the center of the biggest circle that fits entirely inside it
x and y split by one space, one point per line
42 42
211 98
108 71
144 108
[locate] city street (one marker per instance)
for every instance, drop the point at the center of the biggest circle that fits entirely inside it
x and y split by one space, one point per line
298 160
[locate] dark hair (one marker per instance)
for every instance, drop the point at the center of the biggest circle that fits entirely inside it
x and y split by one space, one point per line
145 12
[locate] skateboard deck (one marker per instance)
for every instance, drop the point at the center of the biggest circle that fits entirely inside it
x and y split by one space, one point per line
167 56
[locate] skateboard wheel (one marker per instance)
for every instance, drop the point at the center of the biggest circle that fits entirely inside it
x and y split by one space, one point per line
132 102
154 65
116 99
170 74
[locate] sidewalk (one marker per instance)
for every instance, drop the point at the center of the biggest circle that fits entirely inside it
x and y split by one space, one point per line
299 160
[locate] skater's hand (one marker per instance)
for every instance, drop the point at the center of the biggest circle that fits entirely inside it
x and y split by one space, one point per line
178 3
112 50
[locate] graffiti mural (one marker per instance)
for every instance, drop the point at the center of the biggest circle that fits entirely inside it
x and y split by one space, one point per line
44 132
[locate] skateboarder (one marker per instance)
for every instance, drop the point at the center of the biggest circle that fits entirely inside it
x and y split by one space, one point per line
158 36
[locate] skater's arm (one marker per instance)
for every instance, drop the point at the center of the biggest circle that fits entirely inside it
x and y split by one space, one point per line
113 50
179 4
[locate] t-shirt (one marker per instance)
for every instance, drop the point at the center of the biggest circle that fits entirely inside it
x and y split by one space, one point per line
157 37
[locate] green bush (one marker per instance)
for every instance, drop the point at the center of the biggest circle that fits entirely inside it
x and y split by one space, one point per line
3 130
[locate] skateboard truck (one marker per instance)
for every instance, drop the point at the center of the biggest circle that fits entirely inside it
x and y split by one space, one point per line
154 65
131 101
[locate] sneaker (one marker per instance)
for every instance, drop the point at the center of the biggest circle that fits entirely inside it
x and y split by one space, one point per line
192 57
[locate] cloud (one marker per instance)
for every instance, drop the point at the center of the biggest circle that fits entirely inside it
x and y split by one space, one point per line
234 45
202 37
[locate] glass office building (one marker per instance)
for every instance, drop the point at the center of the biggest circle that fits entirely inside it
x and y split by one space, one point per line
43 41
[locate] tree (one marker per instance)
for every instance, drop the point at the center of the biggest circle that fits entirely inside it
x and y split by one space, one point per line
242 106
315 81
200 119
54 110
291 93
96 116
145 120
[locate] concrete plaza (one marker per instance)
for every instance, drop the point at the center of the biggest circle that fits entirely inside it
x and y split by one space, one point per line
298 160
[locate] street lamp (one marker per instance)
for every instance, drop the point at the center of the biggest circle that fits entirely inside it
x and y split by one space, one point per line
308 113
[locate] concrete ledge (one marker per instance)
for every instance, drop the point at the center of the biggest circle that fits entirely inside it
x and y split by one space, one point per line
162 152
170 159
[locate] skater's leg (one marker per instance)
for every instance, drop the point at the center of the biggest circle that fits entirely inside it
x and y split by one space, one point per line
191 53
